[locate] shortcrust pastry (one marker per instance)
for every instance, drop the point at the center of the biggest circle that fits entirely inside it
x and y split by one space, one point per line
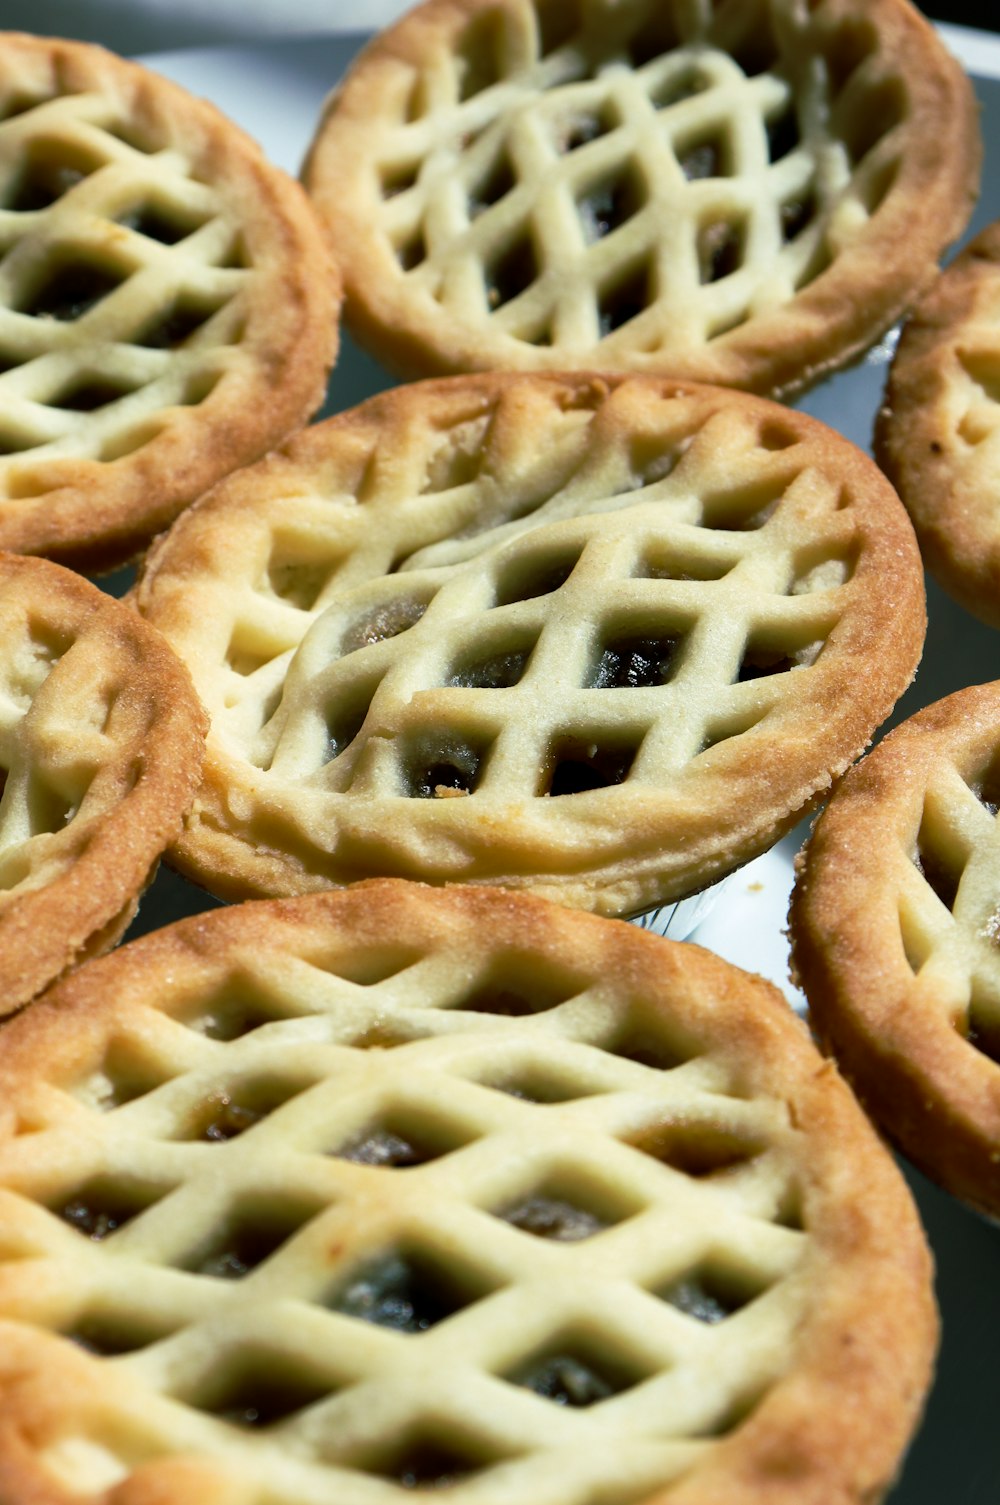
938 434
745 192
895 924
167 304
100 753
401 1189
600 638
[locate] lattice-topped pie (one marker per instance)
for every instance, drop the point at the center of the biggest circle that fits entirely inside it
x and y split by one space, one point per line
167 305
895 924
100 752
403 1189
938 434
602 638
745 192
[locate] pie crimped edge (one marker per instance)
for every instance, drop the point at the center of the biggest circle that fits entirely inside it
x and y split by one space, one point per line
113 734
890 974
220 236
840 1411
878 225
938 431
842 571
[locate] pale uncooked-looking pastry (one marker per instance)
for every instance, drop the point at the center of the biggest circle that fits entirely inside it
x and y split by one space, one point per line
745 192
101 739
895 924
366 1195
167 305
600 638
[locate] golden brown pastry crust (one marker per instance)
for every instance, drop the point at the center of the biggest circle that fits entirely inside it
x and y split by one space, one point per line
938 432
101 741
168 306
604 638
389 1004
745 194
898 962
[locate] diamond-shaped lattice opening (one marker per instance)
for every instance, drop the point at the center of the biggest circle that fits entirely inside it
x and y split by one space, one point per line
729 727
604 207
108 1334
985 785
49 171
90 394
698 1149
397 177
296 580
479 54
515 987
176 325
425 1460
106 1203
635 662
720 249
659 563
681 83
712 1292
18 103
493 186
705 156
884 108
382 622
624 299
578 765
256 1388
745 507
566 1208
491 671
762 658
536 1082
456 456
648 1043
401 1138
250 1232
345 716
123 1074
442 769
583 127
756 51
230 1015
366 966
511 273
166 226
940 867
524 579
409 1290
68 291
412 252
228 1112
576 1369
558 22
783 133
850 45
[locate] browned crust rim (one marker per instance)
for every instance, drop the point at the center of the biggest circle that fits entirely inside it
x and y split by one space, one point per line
931 1091
832 1430
83 909
868 287
666 843
948 485
95 514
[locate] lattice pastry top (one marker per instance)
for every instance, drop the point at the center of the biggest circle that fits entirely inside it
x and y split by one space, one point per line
601 638
744 192
938 434
167 305
400 1188
895 921
100 752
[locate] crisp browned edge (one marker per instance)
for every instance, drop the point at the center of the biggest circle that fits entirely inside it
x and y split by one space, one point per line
954 511
832 1432
84 910
933 1094
842 312
94 514
878 650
